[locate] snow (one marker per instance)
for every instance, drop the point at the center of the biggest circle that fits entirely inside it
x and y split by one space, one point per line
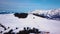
43 24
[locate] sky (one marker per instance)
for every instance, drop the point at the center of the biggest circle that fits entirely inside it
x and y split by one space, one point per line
28 5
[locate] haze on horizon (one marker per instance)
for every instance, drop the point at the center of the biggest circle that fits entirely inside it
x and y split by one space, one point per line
28 5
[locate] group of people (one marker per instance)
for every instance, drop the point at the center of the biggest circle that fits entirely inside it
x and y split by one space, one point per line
24 31
28 30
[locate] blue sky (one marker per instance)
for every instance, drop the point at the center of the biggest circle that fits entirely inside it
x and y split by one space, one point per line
28 5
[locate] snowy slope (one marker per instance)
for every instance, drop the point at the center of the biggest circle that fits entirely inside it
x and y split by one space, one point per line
9 20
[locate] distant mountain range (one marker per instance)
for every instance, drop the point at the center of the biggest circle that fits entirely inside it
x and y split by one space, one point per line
6 12
51 14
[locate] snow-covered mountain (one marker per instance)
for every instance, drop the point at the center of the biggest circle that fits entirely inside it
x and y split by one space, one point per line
51 14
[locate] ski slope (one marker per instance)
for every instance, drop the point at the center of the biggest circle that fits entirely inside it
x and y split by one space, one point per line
43 24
